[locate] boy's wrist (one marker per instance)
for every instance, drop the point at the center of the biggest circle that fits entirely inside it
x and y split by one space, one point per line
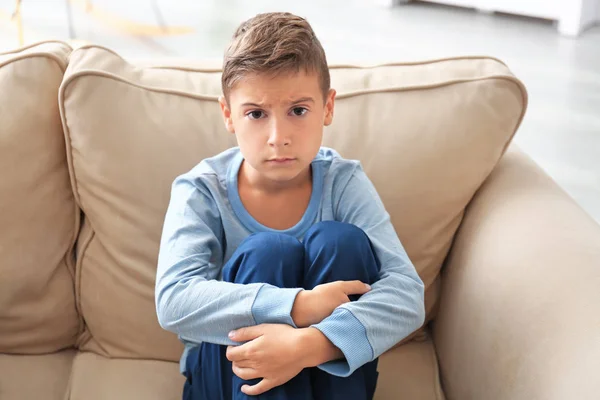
317 348
298 309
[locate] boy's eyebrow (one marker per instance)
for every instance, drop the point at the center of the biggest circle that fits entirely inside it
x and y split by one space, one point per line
300 100
252 105
303 100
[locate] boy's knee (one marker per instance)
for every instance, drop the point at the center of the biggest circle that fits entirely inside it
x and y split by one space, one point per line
337 234
345 243
272 244
267 257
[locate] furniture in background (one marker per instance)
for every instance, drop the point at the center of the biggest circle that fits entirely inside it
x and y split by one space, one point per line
571 16
108 18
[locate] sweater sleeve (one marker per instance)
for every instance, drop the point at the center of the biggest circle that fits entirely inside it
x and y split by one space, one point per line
189 299
394 307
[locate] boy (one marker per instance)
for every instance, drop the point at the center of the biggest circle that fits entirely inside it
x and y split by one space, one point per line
269 248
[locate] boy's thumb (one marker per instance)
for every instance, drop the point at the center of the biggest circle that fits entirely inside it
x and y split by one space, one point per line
356 287
245 334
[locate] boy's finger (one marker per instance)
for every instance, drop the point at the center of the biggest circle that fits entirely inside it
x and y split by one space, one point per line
355 287
257 389
235 353
245 373
246 334
244 363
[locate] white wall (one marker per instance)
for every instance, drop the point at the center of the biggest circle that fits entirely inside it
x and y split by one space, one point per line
576 15
590 12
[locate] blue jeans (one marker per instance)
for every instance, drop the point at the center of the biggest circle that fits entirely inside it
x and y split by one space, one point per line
331 251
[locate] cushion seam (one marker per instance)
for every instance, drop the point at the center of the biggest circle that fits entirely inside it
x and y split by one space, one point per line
32 45
333 66
62 64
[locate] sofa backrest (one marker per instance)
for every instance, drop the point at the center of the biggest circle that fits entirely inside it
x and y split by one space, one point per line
38 214
428 134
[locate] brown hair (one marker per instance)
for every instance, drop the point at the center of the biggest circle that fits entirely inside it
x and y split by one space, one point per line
274 43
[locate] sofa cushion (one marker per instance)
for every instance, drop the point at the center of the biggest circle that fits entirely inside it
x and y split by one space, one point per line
98 378
427 134
405 373
409 372
35 376
38 214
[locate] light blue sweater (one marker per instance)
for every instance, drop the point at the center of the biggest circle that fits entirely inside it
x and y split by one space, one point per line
205 223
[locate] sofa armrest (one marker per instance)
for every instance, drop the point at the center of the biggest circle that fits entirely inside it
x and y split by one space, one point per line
519 315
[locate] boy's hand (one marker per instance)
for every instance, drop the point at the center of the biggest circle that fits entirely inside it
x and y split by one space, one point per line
277 353
313 306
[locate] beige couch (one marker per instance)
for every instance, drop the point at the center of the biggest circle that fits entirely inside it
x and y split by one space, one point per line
90 143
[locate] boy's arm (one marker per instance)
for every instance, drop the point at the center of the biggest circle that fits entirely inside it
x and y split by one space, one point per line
394 307
189 300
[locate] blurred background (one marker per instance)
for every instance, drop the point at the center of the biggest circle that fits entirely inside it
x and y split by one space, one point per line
553 46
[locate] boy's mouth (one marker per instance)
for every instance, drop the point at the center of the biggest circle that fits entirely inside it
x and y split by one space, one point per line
281 160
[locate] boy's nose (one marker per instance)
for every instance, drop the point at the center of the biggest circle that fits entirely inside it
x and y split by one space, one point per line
277 136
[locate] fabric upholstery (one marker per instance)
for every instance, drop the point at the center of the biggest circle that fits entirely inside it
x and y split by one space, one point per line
520 305
38 214
427 134
405 373
410 372
98 378
35 377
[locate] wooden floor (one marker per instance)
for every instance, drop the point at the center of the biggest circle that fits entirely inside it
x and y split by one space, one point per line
561 130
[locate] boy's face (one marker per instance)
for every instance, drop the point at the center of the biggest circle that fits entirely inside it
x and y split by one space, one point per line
278 122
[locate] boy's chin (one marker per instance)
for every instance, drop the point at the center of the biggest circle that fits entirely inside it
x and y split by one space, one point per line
282 176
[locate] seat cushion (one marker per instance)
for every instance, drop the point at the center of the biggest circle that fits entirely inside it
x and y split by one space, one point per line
38 214
410 372
427 134
406 372
35 376
98 378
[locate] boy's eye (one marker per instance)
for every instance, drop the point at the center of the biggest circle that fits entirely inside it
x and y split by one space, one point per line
256 114
299 111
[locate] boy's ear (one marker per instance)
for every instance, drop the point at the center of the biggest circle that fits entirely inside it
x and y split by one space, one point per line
226 111
329 106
